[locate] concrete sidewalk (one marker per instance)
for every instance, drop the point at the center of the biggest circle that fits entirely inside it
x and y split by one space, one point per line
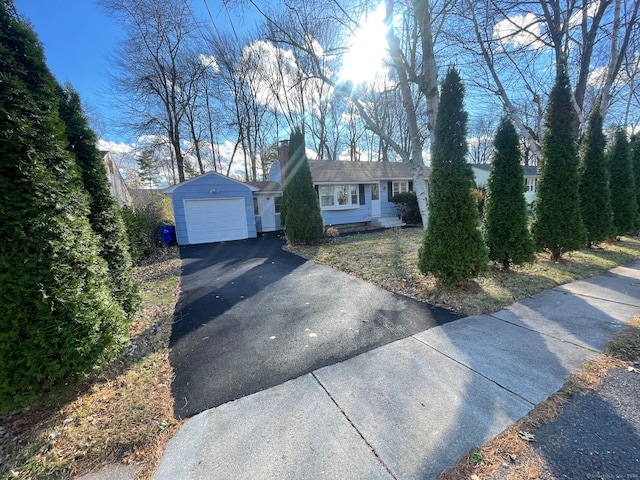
411 408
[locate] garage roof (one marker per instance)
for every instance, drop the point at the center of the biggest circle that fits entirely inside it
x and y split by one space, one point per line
171 189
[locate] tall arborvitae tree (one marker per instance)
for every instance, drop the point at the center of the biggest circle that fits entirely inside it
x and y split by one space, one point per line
595 195
452 248
300 212
506 230
58 317
635 153
557 225
623 189
104 217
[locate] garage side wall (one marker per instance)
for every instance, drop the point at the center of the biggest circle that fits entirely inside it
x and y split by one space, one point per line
208 187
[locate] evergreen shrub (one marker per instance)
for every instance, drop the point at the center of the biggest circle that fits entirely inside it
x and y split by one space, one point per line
623 188
104 216
300 212
595 193
452 249
557 223
407 207
506 223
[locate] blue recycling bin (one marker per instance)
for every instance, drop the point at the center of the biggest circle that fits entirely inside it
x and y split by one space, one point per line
168 234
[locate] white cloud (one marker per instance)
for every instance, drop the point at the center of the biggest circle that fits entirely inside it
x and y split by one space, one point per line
576 18
597 77
314 46
209 61
115 147
277 80
520 31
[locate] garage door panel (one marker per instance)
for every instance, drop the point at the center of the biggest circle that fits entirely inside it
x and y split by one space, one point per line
216 220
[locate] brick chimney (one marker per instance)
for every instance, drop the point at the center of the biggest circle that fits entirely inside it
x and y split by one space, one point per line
283 156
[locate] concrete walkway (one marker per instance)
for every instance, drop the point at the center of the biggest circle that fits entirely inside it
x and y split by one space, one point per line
411 408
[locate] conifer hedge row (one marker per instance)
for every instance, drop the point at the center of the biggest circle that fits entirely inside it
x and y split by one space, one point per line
581 200
66 294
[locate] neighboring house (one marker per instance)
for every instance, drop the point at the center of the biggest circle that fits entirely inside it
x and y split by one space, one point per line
214 208
481 173
119 189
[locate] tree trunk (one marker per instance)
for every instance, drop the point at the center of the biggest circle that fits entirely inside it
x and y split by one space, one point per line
414 159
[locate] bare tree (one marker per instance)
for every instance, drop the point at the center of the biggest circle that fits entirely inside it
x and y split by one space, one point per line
411 30
515 42
481 132
148 65
192 91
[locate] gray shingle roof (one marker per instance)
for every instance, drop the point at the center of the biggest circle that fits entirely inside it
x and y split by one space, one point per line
327 171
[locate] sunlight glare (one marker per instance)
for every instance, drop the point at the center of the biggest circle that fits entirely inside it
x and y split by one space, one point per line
367 49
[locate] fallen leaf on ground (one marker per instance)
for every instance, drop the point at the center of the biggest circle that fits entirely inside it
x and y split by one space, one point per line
529 437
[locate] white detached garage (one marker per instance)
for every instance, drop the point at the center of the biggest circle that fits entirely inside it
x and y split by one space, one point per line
213 208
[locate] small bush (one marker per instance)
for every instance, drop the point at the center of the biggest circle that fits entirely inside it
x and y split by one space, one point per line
142 223
407 207
332 232
480 196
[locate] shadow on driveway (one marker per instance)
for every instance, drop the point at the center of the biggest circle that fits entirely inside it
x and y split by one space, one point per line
251 316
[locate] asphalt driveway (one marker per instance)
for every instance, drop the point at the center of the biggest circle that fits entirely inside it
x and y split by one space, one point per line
251 316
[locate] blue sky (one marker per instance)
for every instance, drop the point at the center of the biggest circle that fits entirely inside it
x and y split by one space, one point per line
77 38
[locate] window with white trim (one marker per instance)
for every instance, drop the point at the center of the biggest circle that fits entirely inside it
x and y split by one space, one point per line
400 187
338 195
531 184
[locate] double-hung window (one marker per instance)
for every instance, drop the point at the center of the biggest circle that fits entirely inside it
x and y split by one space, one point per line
531 184
337 196
400 187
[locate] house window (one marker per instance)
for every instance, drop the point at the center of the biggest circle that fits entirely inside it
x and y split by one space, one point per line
326 197
256 211
342 192
531 184
353 190
400 187
277 203
339 195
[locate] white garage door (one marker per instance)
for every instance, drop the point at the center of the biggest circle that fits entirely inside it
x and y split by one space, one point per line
216 220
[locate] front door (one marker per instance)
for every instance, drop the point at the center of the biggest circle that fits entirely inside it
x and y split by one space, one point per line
267 213
375 200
